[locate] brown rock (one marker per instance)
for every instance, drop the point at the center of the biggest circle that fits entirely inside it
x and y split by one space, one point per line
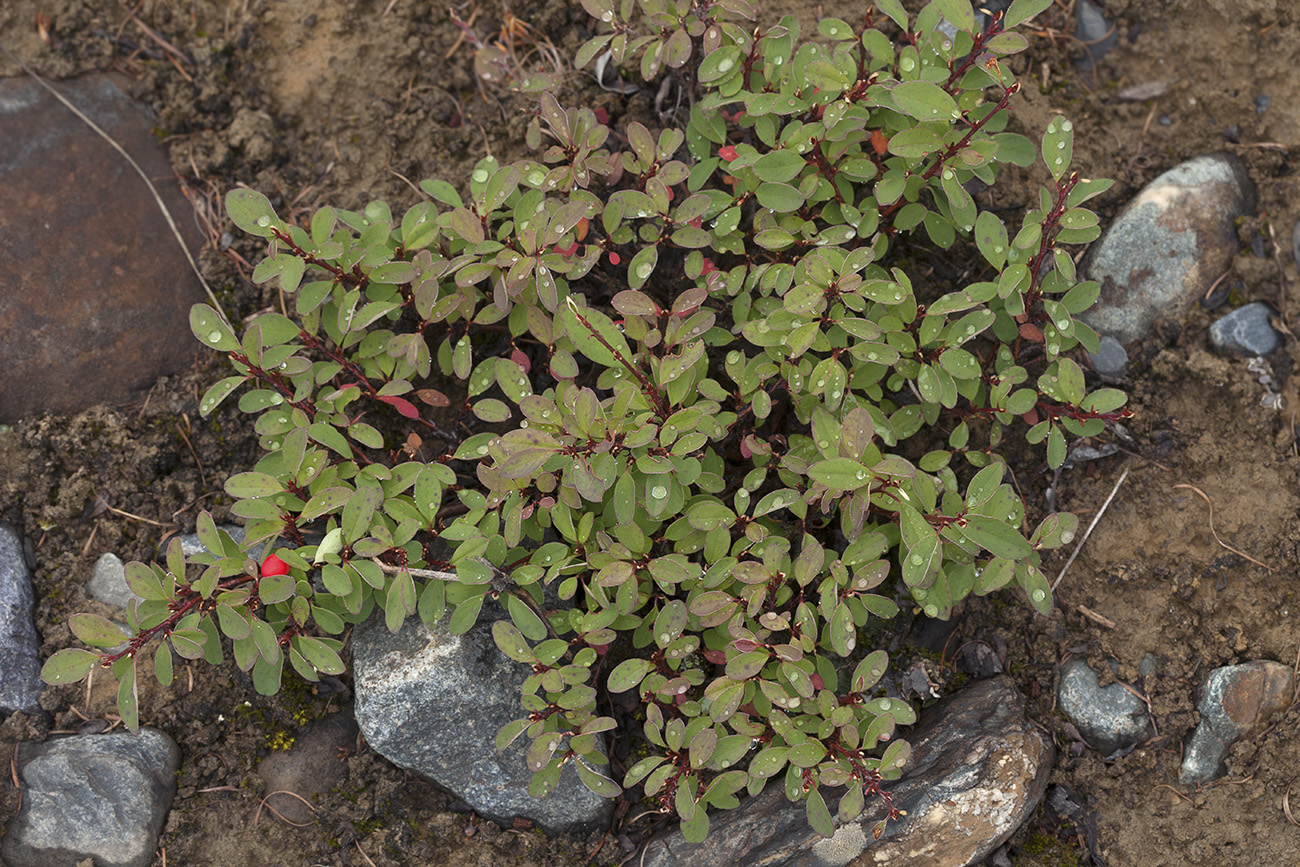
978 769
94 291
310 767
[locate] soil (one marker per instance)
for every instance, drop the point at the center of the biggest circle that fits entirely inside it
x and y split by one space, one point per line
346 102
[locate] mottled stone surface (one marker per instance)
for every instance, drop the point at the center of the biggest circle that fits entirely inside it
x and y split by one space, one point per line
100 797
1168 245
1236 702
432 703
20 666
1111 718
94 291
978 770
1246 331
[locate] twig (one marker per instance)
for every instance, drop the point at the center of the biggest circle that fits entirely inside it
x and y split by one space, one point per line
162 206
1214 533
416 573
126 514
1094 616
1088 532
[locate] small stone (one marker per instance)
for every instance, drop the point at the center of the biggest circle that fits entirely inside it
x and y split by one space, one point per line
100 797
1097 35
1112 719
1110 360
20 671
1236 702
108 581
309 768
1246 331
1168 245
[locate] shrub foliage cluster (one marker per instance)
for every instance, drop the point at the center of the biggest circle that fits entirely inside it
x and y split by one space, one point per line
653 392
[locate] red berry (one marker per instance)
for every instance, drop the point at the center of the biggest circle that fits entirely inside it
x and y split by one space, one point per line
601 115
614 258
728 152
273 565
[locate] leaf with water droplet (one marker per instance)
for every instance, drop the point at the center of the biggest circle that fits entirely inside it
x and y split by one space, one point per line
211 329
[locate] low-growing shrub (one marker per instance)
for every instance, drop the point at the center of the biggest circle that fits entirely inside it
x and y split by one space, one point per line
701 386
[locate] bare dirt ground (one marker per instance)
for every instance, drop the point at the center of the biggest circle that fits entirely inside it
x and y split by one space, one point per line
345 102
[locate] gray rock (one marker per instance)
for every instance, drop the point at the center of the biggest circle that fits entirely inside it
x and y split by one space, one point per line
1246 331
191 545
103 797
1111 719
1168 245
978 770
108 581
20 673
432 703
1236 702
1097 35
94 279
308 768
1110 360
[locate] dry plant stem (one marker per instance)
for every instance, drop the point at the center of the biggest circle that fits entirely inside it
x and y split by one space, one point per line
1088 532
1095 617
1214 533
162 206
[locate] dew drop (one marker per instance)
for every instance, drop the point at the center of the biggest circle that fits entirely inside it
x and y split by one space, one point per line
931 610
664 638
907 64
997 248
1039 595
733 357
725 65
264 221
482 450
835 395
1067 537
1060 145
778 60
871 356
479 176
886 704
794 702
917 559
821 444
861 475
820 383
607 17
214 337
536 178
276 400
658 492
832 31
1067 126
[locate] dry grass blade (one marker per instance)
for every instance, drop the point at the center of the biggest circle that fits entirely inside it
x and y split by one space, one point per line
162 206
1215 534
1286 805
1088 532
263 803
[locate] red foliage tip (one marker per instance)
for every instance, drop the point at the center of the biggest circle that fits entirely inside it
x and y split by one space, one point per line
728 152
614 258
273 565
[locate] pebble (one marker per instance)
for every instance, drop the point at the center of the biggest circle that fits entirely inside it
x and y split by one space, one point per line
1097 35
432 702
108 581
978 769
1168 245
1246 331
20 673
100 799
95 281
1111 719
308 768
1236 702
1110 360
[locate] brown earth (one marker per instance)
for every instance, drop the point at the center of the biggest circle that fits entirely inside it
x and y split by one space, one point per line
345 102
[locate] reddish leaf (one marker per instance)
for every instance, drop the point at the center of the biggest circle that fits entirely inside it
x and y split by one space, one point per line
401 404
433 397
1031 332
521 359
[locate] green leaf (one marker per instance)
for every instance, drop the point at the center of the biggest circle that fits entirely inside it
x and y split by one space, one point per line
1058 146
958 13
252 484
925 100
629 673
252 212
781 198
525 618
211 330
997 537
1023 10
819 818
511 642
69 665
583 326
127 700
779 166
96 631
841 474
598 783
